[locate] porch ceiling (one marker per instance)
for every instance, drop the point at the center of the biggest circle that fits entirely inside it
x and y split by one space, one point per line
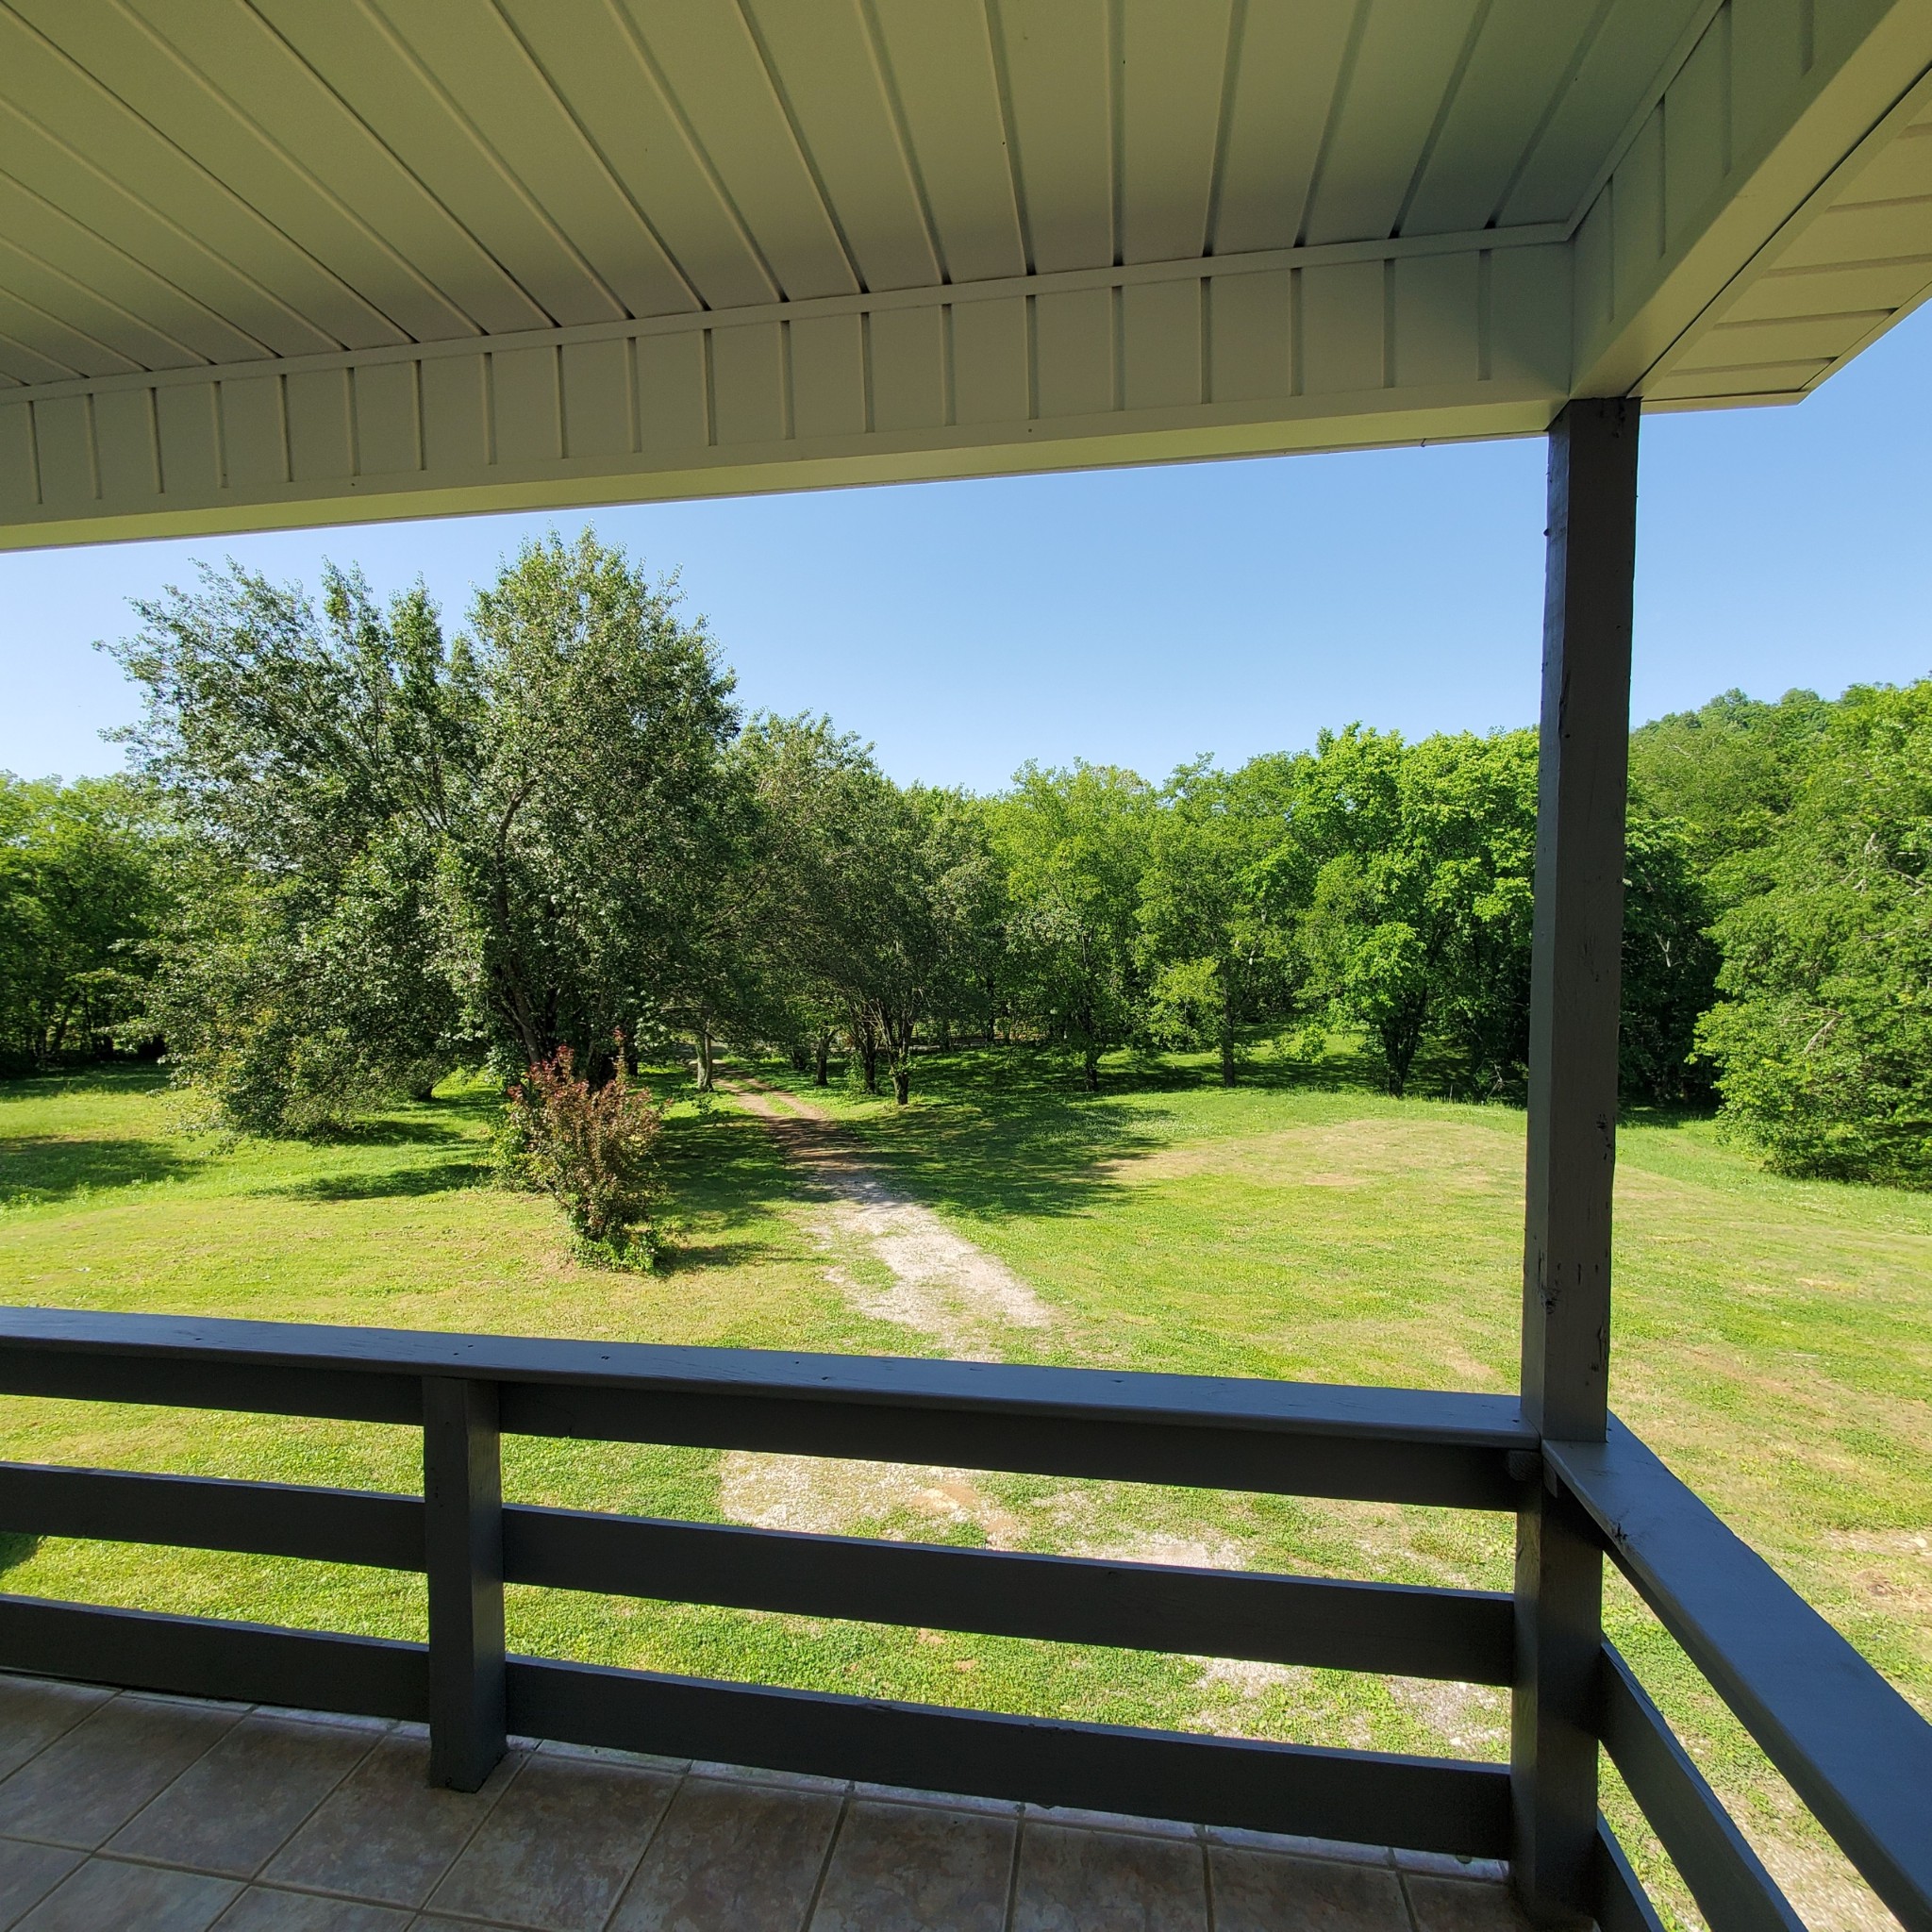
278 262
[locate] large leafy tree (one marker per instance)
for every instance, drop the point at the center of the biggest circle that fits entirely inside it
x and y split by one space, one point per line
409 846
1074 844
83 887
1419 914
1823 1038
1219 952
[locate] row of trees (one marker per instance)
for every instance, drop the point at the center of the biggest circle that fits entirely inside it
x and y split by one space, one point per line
363 850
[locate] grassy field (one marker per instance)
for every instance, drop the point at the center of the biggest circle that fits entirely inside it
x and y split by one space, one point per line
1773 1343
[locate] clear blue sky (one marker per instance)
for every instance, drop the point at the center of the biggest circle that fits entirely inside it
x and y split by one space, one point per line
1146 616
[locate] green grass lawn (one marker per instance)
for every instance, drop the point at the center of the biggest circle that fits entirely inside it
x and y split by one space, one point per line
1773 1342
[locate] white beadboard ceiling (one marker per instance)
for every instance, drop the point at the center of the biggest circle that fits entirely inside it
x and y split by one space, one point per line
220 185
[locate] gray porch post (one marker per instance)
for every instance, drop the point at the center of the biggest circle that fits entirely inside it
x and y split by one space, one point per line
1573 1133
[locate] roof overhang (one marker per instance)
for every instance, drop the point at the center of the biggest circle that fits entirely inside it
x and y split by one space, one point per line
276 264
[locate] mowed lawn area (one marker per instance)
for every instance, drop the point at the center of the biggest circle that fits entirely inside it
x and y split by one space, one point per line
1773 1343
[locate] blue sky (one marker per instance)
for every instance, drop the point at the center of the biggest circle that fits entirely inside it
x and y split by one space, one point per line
1146 616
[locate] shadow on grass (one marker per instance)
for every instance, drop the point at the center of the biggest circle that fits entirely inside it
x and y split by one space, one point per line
1010 1132
39 1169
15 1549
724 1176
439 1177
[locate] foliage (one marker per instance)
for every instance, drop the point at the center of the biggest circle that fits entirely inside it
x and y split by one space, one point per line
1073 846
1823 1038
83 885
1220 956
1417 920
593 1150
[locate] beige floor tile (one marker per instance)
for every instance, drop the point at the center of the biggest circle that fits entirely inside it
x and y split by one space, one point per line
731 1857
28 1874
88 1784
1077 1880
384 1834
106 1896
559 1847
34 1711
914 1868
262 1908
1462 1905
232 1811
1261 1891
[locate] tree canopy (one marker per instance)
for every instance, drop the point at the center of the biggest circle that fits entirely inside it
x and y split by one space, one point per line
358 846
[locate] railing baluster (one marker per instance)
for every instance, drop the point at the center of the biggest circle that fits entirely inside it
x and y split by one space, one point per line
462 1490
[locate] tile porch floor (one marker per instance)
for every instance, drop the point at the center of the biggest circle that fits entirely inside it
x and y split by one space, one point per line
122 1812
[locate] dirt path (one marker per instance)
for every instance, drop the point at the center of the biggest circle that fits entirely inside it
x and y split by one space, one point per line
941 1284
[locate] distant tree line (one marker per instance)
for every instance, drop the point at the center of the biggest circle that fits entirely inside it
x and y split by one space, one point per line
356 850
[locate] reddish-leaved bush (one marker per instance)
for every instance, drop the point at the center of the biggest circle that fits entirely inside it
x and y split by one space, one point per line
591 1149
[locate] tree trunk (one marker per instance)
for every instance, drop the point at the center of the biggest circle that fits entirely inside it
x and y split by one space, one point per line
824 1048
707 1059
902 1084
1227 1067
1091 1066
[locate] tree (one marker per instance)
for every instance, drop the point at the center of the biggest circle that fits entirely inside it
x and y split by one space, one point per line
1823 1039
1219 955
1728 771
82 888
409 846
1418 916
1074 844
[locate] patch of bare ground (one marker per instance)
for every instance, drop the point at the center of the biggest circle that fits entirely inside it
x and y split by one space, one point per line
900 1502
938 1283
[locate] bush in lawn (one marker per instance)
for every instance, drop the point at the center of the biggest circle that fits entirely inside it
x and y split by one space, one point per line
591 1150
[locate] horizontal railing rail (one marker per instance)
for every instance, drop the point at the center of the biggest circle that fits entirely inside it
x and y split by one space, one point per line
1852 1747
1392 1445
464 1392
1464 1636
1855 1752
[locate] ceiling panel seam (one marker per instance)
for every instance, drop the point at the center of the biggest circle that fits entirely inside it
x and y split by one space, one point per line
97 85
1553 108
1116 136
73 281
473 135
1452 89
1821 201
1010 128
228 103
63 386
694 146
1679 55
1872 335
167 222
401 167
901 133
1223 126
807 160
1338 100
602 160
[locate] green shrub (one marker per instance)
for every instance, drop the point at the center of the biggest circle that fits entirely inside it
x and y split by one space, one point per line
593 1150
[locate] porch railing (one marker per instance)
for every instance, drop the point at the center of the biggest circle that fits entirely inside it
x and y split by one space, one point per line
1857 1752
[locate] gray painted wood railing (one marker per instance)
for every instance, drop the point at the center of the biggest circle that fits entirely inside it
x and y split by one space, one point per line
1853 1748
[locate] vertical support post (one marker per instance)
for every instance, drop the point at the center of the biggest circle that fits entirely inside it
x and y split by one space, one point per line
462 1513
1574 991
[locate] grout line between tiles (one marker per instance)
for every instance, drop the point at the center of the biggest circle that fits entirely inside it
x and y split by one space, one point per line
630 1877
811 1909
